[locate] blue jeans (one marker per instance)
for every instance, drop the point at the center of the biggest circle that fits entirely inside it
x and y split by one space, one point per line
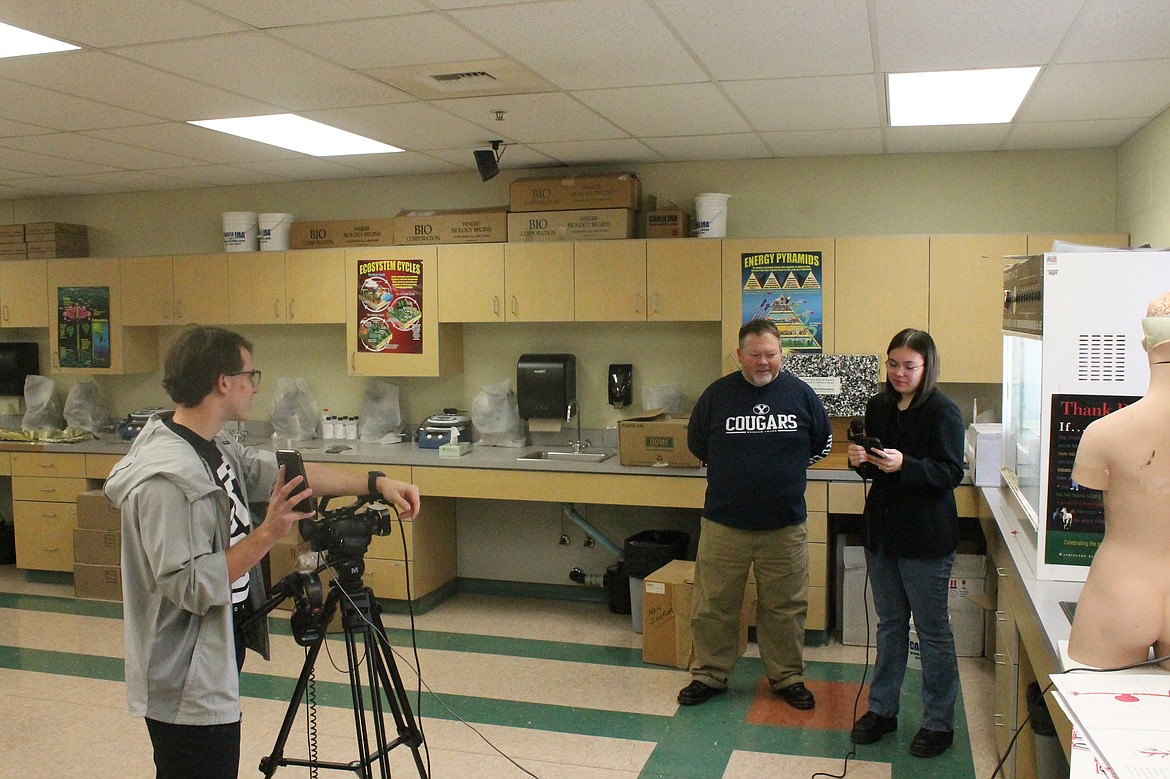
903 586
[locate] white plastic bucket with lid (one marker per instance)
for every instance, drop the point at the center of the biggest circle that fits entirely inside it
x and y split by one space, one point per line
711 215
239 231
274 232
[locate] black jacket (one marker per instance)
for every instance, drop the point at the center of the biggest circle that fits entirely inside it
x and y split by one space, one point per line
912 513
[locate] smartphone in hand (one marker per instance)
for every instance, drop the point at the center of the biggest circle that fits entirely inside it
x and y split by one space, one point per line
871 445
294 466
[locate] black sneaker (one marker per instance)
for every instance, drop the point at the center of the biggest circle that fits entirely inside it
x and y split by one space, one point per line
870 727
696 692
797 696
931 743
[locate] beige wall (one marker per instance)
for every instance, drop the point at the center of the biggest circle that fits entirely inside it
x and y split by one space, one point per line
1143 184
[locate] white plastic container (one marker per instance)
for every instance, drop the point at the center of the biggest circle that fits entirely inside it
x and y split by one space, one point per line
274 232
240 231
351 428
711 215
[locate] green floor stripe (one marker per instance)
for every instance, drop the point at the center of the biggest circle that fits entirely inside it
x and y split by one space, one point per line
62 663
61 605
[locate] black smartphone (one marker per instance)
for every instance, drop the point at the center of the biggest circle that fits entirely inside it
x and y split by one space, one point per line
869 443
294 466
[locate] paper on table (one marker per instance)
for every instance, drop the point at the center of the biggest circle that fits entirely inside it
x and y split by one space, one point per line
544 425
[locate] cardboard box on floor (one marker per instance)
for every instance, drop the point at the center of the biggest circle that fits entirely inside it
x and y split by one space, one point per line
97 582
97 547
967 618
666 614
655 438
94 512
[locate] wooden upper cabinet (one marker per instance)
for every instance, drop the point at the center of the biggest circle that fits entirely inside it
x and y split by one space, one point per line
1039 244
471 283
538 281
609 281
23 294
315 286
201 289
153 282
882 286
682 280
966 303
256 288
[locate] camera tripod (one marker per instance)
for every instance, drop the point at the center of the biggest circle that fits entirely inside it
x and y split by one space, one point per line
361 618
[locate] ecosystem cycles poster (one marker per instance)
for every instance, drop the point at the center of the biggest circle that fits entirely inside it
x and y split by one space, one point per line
389 310
1075 523
83 327
786 288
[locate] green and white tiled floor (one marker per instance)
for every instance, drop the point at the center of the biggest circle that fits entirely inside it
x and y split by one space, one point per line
558 686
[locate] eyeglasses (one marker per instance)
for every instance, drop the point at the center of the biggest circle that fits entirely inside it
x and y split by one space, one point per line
253 376
892 365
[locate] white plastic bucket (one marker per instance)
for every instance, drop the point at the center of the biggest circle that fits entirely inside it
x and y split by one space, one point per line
711 215
274 232
239 231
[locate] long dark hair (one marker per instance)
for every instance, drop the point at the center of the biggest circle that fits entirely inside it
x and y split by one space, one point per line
921 342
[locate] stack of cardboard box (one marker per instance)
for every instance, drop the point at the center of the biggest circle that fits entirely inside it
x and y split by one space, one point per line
54 240
574 208
12 245
97 548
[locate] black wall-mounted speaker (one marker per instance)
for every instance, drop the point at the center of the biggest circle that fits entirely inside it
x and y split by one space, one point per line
485 160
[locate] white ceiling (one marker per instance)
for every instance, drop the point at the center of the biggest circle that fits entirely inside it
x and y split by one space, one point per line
581 82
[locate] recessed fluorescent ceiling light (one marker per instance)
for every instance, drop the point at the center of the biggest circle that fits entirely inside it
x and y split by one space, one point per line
15 42
958 96
290 131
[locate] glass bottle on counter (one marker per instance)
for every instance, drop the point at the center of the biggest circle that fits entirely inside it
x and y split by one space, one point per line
351 428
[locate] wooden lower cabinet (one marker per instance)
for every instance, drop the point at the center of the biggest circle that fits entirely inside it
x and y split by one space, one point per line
45 487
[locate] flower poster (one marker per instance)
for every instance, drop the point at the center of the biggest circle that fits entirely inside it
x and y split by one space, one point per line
389 310
83 327
786 288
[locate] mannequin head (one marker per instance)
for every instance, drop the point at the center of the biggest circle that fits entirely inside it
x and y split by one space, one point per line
1156 325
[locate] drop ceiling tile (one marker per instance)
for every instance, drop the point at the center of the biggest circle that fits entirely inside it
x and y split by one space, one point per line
512 157
265 14
1108 90
138 181
188 140
824 143
1101 133
414 126
117 22
44 164
13 191
9 128
826 103
403 164
265 69
95 150
678 109
132 86
619 151
51 185
733 146
539 118
1108 30
587 44
921 35
388 42
42 107
954 138
222 175
745 39
303 169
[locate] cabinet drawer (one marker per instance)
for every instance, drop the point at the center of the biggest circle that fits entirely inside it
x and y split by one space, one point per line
816 496
37 517
98 466
818 564
846 498
967 500
5 464
48 464
387 578
44 551
390 547
42 488
818 599
818 526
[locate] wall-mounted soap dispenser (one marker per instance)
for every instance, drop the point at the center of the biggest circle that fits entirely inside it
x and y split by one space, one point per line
621 385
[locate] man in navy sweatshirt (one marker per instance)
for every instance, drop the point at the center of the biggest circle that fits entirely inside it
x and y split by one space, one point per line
758 430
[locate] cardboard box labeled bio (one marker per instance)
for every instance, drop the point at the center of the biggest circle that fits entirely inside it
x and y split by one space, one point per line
94 512
97 582
666 614
967 622
667 223
480 225
592 225
340 233
655 438
609 190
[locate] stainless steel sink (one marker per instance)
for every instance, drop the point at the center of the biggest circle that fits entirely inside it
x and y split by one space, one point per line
588 456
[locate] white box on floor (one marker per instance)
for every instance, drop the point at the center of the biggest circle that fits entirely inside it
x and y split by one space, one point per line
967 578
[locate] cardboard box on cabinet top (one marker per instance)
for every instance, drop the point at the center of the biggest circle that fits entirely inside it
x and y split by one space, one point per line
478 225
346 232
562 193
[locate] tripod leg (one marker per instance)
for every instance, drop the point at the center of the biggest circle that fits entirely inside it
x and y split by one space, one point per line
396 694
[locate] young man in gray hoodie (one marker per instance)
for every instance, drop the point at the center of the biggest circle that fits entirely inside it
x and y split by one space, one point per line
190 554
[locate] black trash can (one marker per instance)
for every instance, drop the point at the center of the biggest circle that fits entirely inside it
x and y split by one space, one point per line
645 553
7 543
1050 762
617 587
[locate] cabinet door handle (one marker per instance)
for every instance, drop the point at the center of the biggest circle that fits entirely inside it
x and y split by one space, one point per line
997 720
291 316
5 312
1000 571
1000 616
637 303
513 304
276 309
496 305
178 311
655 299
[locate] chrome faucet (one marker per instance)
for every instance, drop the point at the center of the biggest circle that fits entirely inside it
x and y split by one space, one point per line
580 445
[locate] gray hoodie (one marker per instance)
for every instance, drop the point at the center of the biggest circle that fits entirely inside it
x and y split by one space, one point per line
180 640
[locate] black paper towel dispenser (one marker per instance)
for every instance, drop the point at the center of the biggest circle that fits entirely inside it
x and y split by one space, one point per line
545 385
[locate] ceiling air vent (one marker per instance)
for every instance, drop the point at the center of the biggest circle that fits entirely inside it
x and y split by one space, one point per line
1101 357
465 81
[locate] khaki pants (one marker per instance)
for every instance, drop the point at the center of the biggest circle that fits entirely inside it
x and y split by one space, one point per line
780 559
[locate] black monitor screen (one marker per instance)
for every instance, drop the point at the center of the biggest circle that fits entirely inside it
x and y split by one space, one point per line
17 361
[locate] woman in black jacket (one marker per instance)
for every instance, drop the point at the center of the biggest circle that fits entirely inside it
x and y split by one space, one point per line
911 538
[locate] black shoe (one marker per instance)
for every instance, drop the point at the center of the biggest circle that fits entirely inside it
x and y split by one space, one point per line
696 692
931 743
797 696
871 727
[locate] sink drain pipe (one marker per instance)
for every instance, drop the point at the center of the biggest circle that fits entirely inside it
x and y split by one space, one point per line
577 575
